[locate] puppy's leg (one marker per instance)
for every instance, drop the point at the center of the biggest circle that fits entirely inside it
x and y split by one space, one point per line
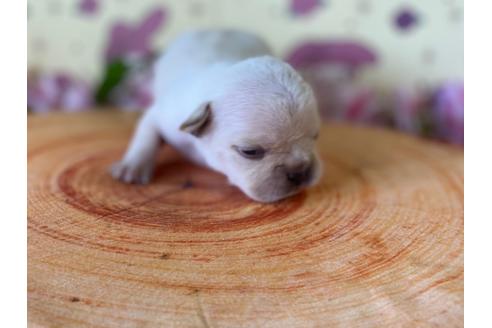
137 165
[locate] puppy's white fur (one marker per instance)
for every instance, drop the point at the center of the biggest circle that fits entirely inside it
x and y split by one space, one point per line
217 92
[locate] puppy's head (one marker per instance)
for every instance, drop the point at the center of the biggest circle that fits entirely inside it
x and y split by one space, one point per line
260 130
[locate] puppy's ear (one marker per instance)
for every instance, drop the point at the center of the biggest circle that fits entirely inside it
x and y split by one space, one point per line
198 120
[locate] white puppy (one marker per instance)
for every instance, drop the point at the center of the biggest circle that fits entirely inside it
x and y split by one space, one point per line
223 101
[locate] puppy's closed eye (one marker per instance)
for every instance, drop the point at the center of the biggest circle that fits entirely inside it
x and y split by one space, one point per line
255 152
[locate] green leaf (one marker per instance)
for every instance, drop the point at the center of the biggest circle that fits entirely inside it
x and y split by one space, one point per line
114 74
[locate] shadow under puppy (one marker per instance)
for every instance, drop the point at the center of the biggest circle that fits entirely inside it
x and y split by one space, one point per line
223 101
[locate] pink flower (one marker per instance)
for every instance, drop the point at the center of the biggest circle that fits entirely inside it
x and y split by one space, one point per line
362 105
328 83
135 92
449 112
330 68
304 7
48 92
411 107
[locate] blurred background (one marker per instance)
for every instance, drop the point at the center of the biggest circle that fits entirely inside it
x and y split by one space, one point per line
381 62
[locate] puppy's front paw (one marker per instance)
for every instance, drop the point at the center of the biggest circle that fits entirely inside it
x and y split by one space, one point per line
128 172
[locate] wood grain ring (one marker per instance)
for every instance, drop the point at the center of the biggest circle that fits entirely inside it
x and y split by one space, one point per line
378 243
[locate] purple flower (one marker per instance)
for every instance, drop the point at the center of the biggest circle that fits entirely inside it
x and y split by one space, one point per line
449 112
330 68
304 7
361 105
88 7
135 93
411 107
405 19
48 92
351 54
128 40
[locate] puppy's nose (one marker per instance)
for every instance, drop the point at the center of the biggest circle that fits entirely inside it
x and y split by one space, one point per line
300 175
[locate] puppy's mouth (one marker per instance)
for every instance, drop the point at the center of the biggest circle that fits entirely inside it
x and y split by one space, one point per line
283 183
271 192
275 197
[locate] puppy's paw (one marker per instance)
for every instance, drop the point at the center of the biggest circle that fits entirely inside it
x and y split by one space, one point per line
129 172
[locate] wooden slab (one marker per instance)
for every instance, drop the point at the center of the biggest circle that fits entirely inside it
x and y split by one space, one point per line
379 243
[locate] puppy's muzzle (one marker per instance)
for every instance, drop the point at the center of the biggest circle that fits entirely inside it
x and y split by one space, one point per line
300 174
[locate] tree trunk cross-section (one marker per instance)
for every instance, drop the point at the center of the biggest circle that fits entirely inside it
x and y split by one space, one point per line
378 243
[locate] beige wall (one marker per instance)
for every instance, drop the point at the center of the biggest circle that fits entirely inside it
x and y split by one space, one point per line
60 38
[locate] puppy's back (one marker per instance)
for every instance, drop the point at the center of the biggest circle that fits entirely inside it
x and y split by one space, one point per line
209 46
197 50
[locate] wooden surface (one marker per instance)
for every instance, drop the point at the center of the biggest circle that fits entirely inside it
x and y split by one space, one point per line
379 243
